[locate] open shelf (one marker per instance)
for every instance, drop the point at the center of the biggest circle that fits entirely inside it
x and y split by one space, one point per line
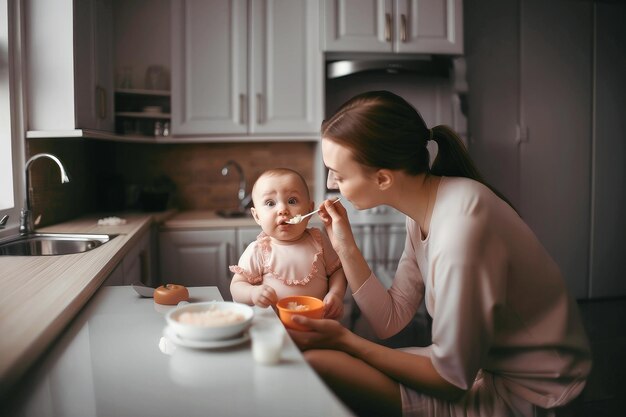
135 114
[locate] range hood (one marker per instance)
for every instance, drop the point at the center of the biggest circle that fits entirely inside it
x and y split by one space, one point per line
437 66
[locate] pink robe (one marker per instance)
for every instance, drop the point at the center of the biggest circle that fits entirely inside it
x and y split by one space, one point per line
504 326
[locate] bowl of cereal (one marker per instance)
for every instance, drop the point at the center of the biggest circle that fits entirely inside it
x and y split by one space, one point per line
299 305
209 321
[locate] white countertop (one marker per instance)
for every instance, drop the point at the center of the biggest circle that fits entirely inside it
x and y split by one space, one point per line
108 363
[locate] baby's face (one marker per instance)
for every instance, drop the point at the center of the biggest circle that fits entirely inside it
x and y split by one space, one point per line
278 198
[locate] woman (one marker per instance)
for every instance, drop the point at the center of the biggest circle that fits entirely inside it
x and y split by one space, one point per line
507 340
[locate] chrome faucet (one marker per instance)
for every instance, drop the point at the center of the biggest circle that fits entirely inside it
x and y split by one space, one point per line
26 218
244 199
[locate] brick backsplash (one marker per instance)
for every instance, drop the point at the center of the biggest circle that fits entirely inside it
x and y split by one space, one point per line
195 169
108 176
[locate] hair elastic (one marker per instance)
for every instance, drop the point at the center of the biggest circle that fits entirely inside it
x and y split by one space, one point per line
430 134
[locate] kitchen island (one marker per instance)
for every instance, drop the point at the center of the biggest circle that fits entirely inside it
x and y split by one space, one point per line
113 360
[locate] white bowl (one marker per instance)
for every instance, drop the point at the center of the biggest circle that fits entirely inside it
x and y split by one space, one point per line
212 331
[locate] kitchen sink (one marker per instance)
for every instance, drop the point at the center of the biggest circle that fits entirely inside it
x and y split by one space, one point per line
42 244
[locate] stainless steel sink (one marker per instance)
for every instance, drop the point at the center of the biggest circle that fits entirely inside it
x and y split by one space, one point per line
42 244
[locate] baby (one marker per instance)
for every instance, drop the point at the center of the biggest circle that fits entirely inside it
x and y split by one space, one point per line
287 259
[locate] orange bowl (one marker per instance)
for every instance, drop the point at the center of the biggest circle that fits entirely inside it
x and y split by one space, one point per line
299 305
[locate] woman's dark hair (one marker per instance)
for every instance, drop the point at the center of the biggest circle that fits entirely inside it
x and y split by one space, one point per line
384 131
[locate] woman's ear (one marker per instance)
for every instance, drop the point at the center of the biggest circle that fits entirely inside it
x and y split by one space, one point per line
384 178
255 215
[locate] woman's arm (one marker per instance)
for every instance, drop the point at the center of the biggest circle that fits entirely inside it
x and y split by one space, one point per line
242 291
387 311
409 369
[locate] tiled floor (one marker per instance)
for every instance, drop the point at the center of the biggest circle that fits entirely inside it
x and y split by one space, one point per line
605 322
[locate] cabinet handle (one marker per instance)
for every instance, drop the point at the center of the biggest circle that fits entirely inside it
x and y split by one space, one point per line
242 109
388 27
403 27
260 116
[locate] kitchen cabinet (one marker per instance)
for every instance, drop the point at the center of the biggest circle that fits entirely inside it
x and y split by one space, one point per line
201 256
69 72
197 257
552 143
245 69
245 236
116 277
608 193
137 265
400 26
143 113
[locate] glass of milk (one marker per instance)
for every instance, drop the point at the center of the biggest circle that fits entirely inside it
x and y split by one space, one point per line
267 341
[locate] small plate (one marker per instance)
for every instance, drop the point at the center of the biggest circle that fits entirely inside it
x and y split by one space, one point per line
204 344
143 290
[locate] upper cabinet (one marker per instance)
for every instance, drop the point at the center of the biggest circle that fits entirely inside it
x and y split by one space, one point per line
402 26
244 68
69 69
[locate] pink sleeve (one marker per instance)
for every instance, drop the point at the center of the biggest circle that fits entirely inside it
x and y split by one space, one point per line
250 264
469 286
389 311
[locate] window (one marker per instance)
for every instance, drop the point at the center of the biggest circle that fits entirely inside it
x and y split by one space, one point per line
11 125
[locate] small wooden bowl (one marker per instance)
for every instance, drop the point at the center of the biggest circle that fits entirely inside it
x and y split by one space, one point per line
306 306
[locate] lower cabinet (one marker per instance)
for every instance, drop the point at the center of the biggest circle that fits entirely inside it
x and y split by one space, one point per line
137 265
201 257
245 236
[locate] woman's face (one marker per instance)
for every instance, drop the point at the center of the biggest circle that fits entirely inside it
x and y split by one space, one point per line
354 181
278 198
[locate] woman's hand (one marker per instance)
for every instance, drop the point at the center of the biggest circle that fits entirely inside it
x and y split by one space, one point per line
333 306
337 225
263 295
324 334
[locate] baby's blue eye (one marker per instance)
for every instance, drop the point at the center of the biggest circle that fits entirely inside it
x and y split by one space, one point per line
293 200
269 203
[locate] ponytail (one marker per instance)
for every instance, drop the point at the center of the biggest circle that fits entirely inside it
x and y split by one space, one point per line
453 160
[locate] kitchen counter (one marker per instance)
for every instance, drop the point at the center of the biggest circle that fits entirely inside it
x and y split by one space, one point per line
42 294
204 219
114 360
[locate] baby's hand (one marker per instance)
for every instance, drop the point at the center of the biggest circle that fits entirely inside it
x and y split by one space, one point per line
263 296
333 306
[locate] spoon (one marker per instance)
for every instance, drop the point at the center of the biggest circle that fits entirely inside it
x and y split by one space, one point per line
298 217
